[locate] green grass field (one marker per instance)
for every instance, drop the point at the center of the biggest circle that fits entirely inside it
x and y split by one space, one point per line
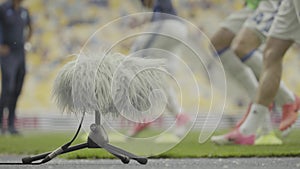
30 144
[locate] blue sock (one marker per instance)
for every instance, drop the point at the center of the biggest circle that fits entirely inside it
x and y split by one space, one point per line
247 56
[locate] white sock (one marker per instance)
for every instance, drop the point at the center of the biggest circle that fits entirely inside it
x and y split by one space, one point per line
173 103
284 95
254 61
267 124
239 72
255 119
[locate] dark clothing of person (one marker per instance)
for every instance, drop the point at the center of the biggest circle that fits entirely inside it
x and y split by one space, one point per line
161 8
12 25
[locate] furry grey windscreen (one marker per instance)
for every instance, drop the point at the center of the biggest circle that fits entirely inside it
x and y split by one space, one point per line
113 84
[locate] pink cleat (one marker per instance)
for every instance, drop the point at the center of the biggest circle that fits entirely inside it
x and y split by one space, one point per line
234 137
182 124
289 115
139 128
182 119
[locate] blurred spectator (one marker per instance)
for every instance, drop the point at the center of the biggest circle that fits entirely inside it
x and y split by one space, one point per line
14 23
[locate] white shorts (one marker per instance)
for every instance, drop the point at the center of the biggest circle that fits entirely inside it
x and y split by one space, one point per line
236 20
263 17
286 25
165 34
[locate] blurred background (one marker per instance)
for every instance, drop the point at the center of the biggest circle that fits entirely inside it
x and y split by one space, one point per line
61 27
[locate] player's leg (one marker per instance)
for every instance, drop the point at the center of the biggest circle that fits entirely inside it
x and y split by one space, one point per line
250 38
285 99
247 41
232 65
222 40
269 84
284 31
175 47
254 33
158 41
270 78
246 47
174 107
143 42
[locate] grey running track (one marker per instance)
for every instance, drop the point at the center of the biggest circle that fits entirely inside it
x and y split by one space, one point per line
199 163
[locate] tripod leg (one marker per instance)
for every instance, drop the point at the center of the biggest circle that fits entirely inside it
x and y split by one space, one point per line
123 158
111 148
29 160
98 138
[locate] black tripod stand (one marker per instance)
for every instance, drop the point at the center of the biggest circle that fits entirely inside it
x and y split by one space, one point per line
97 139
